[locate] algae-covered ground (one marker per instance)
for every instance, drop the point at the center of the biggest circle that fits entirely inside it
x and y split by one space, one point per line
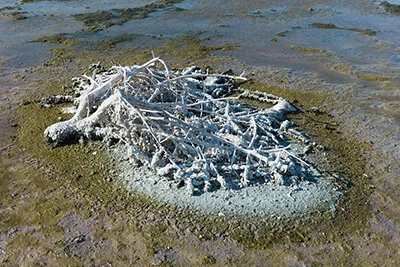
65 206
392 8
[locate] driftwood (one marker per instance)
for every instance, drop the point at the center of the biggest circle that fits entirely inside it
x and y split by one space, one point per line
188 125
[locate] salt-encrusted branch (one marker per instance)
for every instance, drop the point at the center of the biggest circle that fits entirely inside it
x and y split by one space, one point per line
186 125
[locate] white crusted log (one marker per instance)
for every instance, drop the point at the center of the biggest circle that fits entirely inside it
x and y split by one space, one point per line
69 130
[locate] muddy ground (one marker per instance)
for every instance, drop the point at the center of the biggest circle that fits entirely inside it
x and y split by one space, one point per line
65 206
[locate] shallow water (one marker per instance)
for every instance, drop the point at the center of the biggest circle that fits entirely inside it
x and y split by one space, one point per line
363 72
251 27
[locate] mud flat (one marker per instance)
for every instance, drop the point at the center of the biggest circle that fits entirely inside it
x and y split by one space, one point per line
67 205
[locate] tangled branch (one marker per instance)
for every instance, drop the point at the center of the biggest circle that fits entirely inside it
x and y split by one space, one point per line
187 125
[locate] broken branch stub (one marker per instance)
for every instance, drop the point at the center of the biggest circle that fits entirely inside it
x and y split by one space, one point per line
186 125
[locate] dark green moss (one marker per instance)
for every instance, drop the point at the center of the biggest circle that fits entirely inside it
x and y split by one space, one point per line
392 8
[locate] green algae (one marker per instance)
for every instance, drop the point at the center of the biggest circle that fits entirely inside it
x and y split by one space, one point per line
181 50
208 260
376 78
73 39
344 69
170 2
282 33
307 49
324 25
102 19
368 32
17 15
124 37
32 1
59 38
392 8
189 48
7 8
390 86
